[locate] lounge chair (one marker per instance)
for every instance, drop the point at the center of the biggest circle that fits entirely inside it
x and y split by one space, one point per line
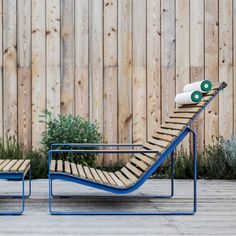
143 164
16 170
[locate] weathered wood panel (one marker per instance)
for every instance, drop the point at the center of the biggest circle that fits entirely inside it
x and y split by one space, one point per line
38 69
110 76
117 62
24 72
9 68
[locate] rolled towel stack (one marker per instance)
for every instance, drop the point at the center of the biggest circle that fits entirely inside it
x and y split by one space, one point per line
192 93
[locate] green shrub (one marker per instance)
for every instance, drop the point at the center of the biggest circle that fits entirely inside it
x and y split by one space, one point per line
71 129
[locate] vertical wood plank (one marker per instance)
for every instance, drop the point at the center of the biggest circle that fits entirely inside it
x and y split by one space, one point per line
139 71
182 50
125 74
67 56
225 68
38 69
234 60
24 71
167 56
10 68
53 56
96 65
153 65
81 58
211 66
197 57
1 71
110 77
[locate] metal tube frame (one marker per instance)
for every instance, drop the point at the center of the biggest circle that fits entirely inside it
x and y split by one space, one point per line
16 176
169 151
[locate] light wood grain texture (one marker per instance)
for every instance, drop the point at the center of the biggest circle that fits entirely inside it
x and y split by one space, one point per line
25 166
153 65
53 165
197 57
167 56
38 70
110 76
211 66
225 68
53 56
1 72
125 73
9 68
67 57
182 50
139 71
96 65
82 58
24 72
17 166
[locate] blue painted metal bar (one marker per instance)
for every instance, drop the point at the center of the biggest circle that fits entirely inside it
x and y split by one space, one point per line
116 190
16 176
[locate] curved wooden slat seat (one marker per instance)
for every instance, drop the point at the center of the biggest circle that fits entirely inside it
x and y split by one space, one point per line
142 165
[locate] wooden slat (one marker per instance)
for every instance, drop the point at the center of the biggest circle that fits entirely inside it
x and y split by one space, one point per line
159 142
9 68
111 181
67 56
67 167
126 181
144 158
81 171
182 115
150 146
17 166
9 166
165 137
178 121
102 176
1 161
110 76
167 131
139 164
118 182
172 126
82 58
74 170
125 74
216 85
133 169
59 166
25 166
53 166
88 173
95 175
3 164
53 56
187 110
24 72
38 70
129 174
153 65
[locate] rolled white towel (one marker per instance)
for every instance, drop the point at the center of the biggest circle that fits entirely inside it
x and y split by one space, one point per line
188 98
203 86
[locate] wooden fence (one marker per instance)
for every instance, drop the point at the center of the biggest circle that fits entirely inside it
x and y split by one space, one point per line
119 62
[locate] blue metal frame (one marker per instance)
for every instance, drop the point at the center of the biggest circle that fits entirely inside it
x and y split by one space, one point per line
16 176
169 151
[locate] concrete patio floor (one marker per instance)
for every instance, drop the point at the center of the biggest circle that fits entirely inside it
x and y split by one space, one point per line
216 210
